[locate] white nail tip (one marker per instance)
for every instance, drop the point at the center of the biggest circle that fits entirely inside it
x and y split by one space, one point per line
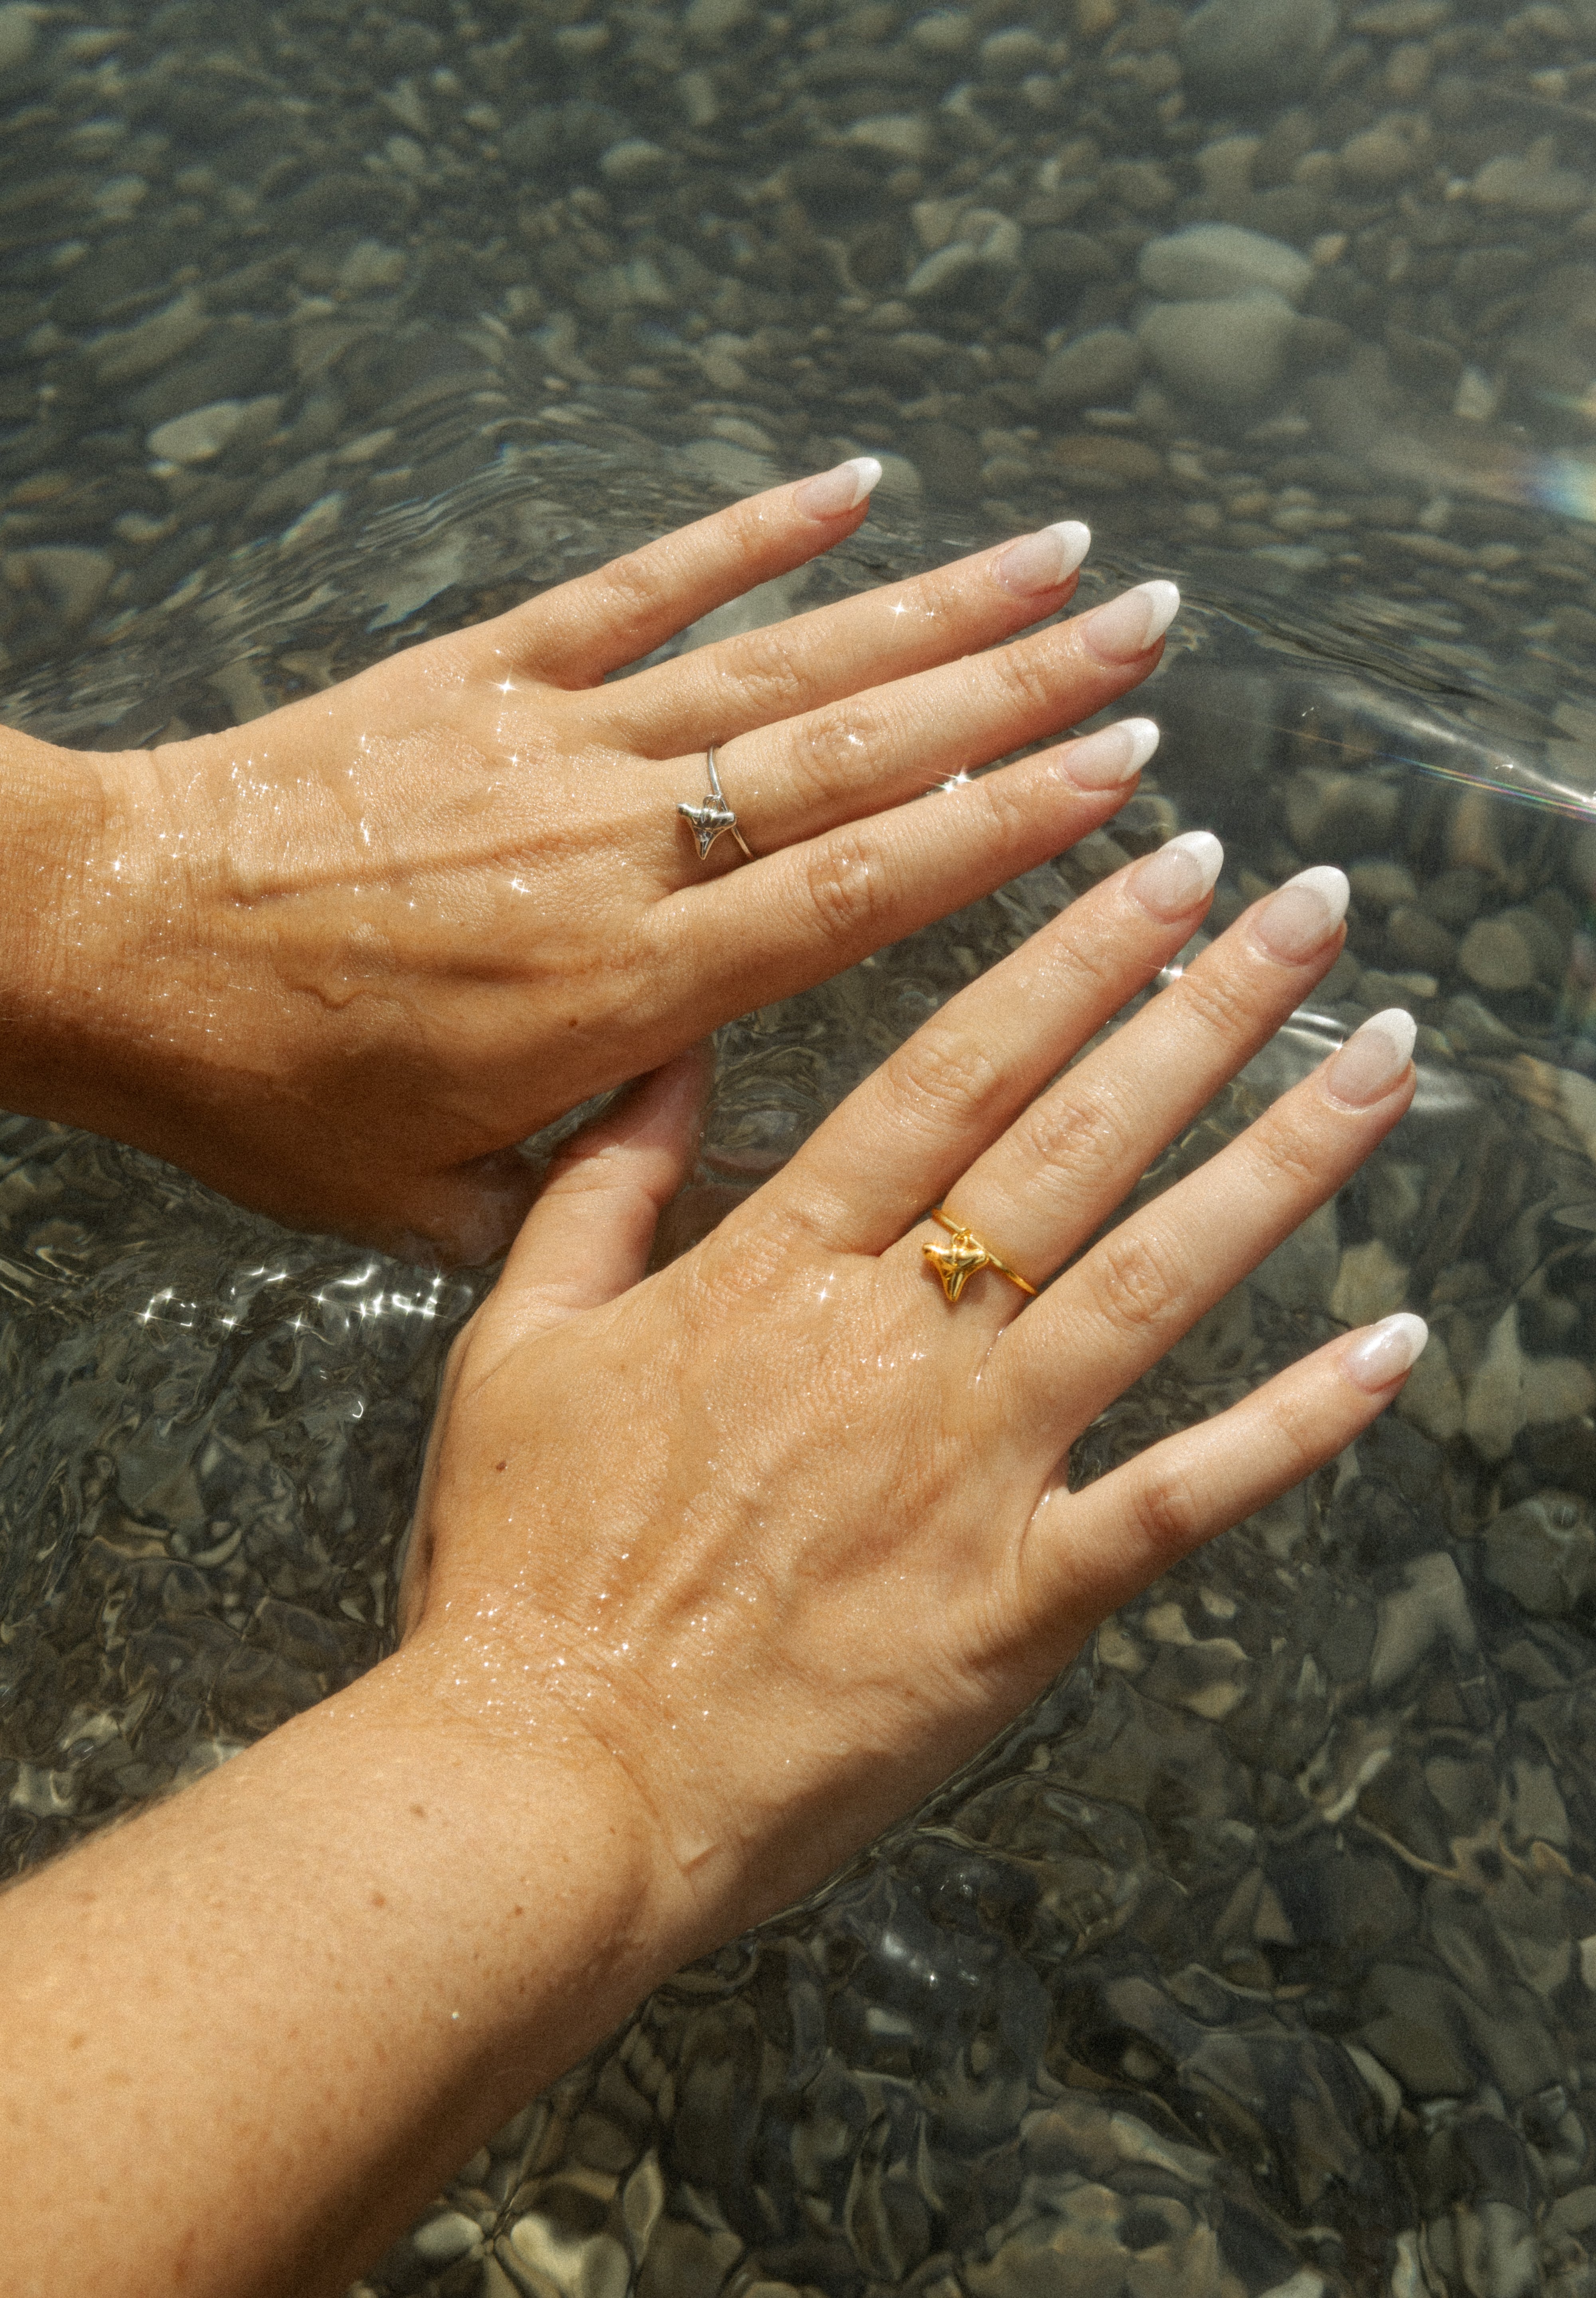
1074 541
1203 848
1329 884
1143 737
1164 604
1386 1351
867 475
1396 1024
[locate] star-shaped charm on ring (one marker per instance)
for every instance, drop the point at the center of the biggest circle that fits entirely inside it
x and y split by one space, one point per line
956 1263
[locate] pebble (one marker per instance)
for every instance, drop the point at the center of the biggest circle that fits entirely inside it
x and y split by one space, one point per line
1543 1554
18 36
1210 260
1495 955
1255 51
202 433
1431 1607
739 470
75 578
1097 369
1228 354
122 356
903 136
1530 186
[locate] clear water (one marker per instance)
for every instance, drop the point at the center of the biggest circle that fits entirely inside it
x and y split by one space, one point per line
1261 1956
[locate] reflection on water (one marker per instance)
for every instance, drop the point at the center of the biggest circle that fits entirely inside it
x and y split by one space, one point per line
1261 1956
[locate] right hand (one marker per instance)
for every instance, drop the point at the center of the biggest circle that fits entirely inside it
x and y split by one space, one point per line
769 1542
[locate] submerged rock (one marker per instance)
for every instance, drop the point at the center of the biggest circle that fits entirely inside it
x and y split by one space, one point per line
1229 354
1209 259
1255 51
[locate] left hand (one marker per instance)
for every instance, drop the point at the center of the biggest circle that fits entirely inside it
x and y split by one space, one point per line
338 961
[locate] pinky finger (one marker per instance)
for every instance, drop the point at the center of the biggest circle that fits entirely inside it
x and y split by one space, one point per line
1091 1551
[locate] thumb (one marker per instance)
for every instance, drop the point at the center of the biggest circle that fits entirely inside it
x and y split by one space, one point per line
588 1237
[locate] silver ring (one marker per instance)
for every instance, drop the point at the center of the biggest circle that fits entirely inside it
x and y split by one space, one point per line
713 816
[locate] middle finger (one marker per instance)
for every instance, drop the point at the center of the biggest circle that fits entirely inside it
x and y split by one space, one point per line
1062 1169
796 779
831 652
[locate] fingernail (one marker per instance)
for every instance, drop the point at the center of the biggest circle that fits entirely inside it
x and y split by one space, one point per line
1102 760
1372 1059
1386 1351
1043 560
1131 623
1176 878
1303 914
831 493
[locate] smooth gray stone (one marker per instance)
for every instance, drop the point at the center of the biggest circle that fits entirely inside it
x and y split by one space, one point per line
1255 50
1096 370
1209 259
1229 352
19 33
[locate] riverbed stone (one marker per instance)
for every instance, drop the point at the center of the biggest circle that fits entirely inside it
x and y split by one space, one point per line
1210 260
1495 955
1255 50
18 36
1097 369
1229 354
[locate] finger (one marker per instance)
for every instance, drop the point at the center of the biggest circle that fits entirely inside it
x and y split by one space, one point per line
1068 1160
588 1237
814 658
904 1135
1137 1290
805 776
1085 1553
576 634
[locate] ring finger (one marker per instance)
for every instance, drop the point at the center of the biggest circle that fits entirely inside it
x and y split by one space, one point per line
1060 1170
795 779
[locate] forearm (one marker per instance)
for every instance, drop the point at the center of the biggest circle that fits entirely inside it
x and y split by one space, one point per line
255 2029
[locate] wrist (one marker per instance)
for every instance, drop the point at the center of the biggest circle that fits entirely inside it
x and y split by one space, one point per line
67 889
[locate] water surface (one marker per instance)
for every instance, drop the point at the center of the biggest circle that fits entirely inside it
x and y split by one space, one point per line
1261 1957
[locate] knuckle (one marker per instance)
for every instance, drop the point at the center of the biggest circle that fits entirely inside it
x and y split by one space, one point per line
1025 679
1166 1513
844 888
628 591
1217 1003
1073 1142
1136 1291
950 1078
762 669
1284 1154
829 750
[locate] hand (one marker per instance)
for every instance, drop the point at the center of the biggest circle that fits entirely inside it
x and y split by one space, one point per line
338 961
782 1534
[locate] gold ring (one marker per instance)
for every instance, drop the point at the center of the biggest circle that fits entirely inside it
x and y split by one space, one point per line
956 1263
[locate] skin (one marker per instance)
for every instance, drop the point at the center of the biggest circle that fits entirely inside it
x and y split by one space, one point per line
338 962
831 1551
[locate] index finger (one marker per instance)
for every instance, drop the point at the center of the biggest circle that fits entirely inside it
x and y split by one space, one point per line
576 634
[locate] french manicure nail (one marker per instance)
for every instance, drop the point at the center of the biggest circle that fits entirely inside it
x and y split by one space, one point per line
1176 878
829 493
1372 1059
1303 914
1043 560
1386 1351
1128 625
1102 760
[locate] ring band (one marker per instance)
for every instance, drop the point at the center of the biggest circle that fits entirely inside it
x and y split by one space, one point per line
708 820
956 1263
